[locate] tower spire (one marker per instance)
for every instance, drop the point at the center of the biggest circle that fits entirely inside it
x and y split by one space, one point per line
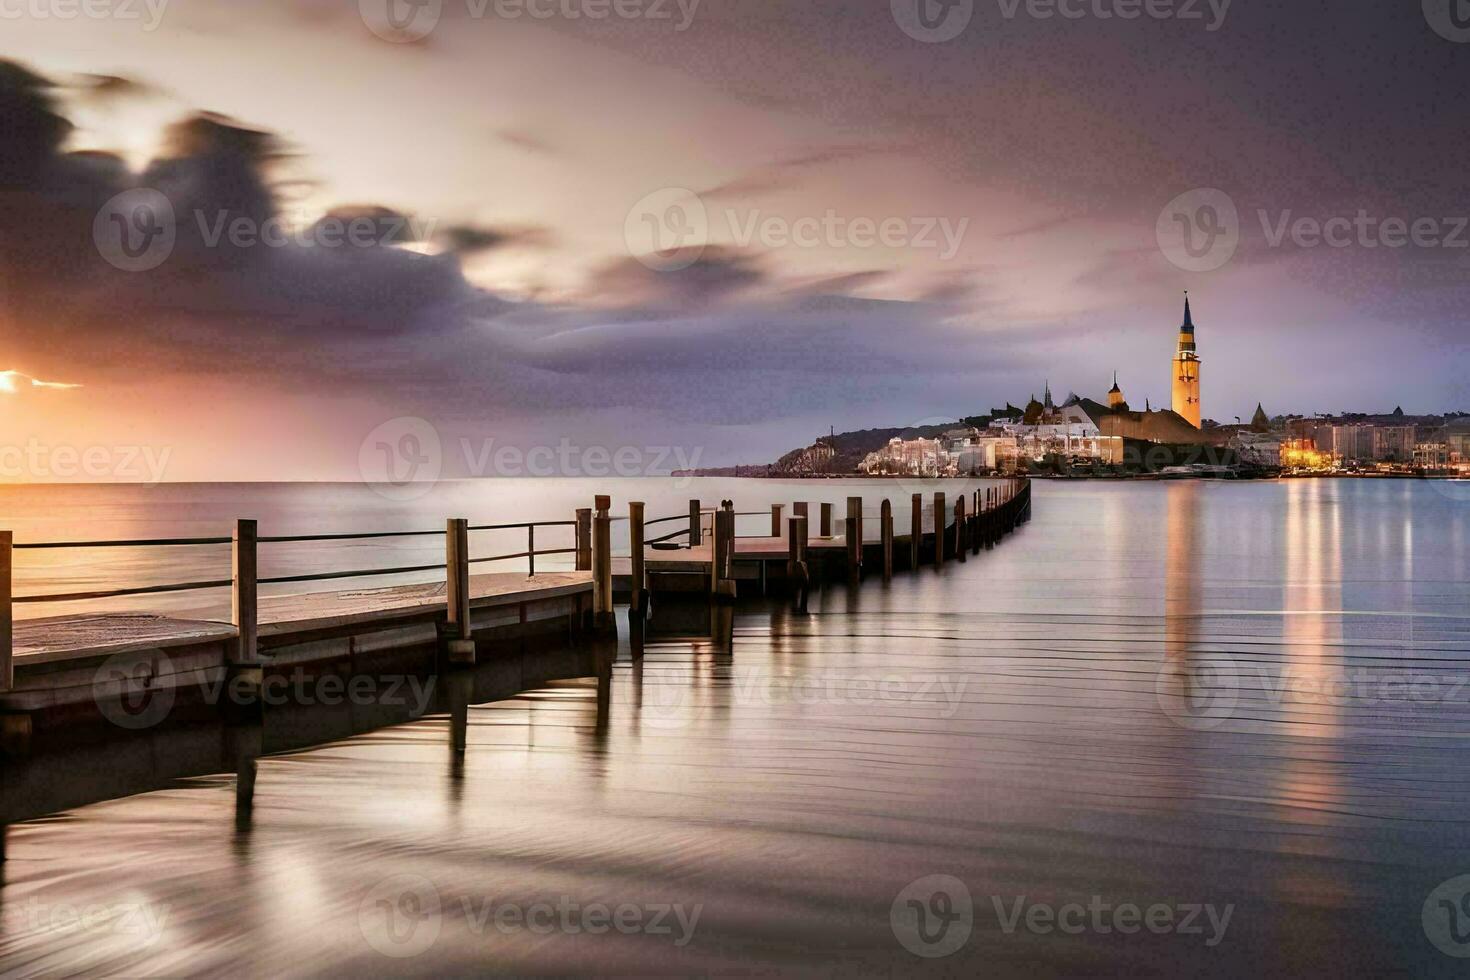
1188 317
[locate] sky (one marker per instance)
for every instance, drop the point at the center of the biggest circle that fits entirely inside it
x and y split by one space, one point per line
264 240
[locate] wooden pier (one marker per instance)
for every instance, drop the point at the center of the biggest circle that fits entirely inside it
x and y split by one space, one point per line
63 676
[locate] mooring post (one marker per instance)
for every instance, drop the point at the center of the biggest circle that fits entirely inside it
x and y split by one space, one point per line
584 539
981 517
722 581
886 519
244 601
531 550
855 511
798 576
602 595
804 512
635 536
695 535
939 527
7 622
916 528
826 526
460 637
854 550
960 544
776 510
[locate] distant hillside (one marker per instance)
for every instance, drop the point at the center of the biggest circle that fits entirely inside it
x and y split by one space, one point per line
848 450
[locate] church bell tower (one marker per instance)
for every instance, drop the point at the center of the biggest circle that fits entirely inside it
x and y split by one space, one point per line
1186 371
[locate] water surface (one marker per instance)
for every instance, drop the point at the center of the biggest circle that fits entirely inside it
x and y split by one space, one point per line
1242 696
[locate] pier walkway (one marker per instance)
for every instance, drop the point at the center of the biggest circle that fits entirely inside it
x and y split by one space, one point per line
57 671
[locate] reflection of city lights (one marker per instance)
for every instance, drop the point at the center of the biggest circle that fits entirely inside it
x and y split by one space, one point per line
1302 454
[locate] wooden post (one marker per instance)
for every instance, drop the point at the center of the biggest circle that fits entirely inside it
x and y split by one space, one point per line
695 535
7 620
244 601
798 576
855 511
886 517
602 597
854 550
804 512
826 526
776 510
584 540
916 528
722 580
977 523
461 644
939 514
960 544
635 535
531 550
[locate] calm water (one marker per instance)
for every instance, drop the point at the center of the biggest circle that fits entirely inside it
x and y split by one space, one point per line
1211 728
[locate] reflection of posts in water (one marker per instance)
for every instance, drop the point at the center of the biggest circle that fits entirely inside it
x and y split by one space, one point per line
605 658
722 626
242 747
1181 570
461 688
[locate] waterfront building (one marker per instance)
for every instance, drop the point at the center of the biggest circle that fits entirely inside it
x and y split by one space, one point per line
1186 383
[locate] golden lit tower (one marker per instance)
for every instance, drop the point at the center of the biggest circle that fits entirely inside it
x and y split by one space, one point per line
1186 371
1116 401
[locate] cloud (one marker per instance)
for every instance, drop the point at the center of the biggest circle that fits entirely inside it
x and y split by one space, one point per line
13 381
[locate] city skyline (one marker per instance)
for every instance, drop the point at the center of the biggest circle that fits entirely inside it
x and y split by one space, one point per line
909 243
